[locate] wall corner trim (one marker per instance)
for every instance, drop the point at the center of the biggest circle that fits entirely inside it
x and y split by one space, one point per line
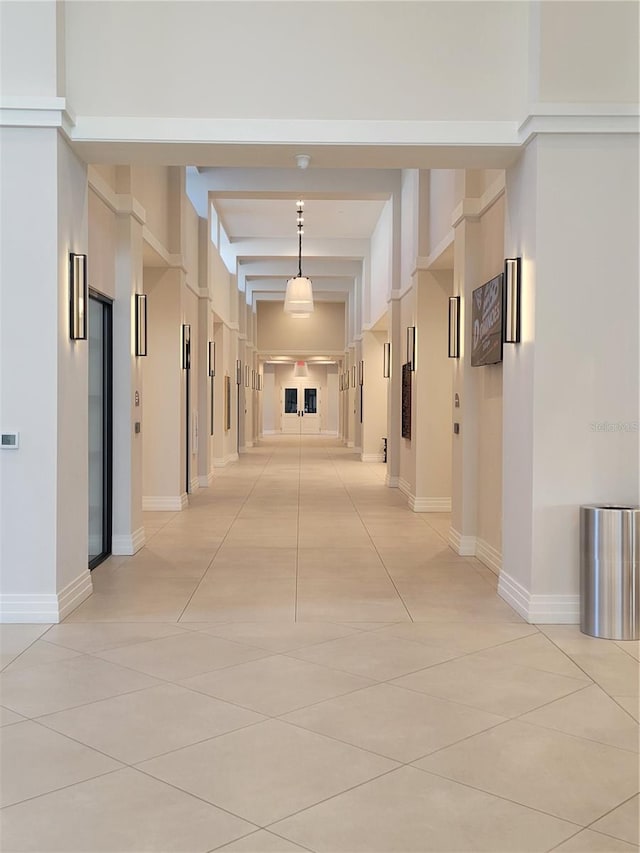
465 546
127 544
539 609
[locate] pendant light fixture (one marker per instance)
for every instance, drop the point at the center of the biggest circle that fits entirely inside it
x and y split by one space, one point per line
299 295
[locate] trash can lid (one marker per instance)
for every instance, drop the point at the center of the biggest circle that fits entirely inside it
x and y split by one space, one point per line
623 507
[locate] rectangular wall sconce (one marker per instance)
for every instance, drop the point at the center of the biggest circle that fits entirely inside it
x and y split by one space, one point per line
511 301
386 360
361 373
212 358
411 347
253 380
186 346
141 324
238 372
246 375
259 382
78 297
341 382
353 376
454 327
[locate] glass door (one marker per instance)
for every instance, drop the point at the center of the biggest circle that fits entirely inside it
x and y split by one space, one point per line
310 413
100 428
290 411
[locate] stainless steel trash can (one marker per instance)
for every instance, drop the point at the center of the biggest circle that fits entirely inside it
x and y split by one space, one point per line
610 571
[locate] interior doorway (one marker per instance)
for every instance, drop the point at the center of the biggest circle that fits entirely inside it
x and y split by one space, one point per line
100 439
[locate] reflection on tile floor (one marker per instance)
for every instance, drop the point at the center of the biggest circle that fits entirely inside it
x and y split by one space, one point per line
298 662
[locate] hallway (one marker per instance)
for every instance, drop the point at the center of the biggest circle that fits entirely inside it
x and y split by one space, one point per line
299 662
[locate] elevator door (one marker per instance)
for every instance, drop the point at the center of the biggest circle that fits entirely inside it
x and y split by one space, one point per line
100 428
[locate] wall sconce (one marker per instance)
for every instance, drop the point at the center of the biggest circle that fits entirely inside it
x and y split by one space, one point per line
238 372
246 376
454 327
361 374
411 347
186 346
141 324
386 360
212 358
353 376
259 382
511 301
78 297
254 383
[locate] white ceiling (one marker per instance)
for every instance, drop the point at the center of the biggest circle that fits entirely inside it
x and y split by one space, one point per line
276 218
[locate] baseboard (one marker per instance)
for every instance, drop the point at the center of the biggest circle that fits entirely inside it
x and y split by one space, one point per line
392 482
429 504
490 556
465 546
248 444
350 444
372 457
194 485
205 480
404 486
358 450
127 544
539 609
48 609
165 503
271 431
223 461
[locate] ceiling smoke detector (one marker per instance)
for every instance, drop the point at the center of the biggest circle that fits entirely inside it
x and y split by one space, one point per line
302 160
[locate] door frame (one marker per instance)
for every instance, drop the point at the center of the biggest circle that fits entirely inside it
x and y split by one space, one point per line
107 427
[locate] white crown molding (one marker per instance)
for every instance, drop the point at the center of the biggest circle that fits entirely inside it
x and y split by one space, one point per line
120 204
165 503
490 556
46 608
539 609
26 111
293 131
556 118
37 112
465 546
474 208
127 544
425 263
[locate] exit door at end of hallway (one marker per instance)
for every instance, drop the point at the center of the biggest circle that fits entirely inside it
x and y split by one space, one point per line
301 410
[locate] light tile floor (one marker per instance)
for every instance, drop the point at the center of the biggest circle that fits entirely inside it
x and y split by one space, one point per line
298 662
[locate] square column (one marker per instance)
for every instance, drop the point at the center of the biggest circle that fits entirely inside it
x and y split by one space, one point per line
571 387
43 380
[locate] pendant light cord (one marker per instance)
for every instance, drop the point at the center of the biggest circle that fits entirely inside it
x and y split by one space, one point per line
300 224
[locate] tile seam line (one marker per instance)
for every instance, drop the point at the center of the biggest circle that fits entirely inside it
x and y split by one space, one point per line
235 518
593 680
357 512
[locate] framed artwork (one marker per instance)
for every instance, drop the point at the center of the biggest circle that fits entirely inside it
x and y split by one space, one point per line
406 400
227 403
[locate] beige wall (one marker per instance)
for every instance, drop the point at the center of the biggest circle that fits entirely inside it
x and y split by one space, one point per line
115 69
151 187
323 332
102 246
489 397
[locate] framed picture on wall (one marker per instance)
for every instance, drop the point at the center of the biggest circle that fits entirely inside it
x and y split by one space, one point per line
227 403
406 400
